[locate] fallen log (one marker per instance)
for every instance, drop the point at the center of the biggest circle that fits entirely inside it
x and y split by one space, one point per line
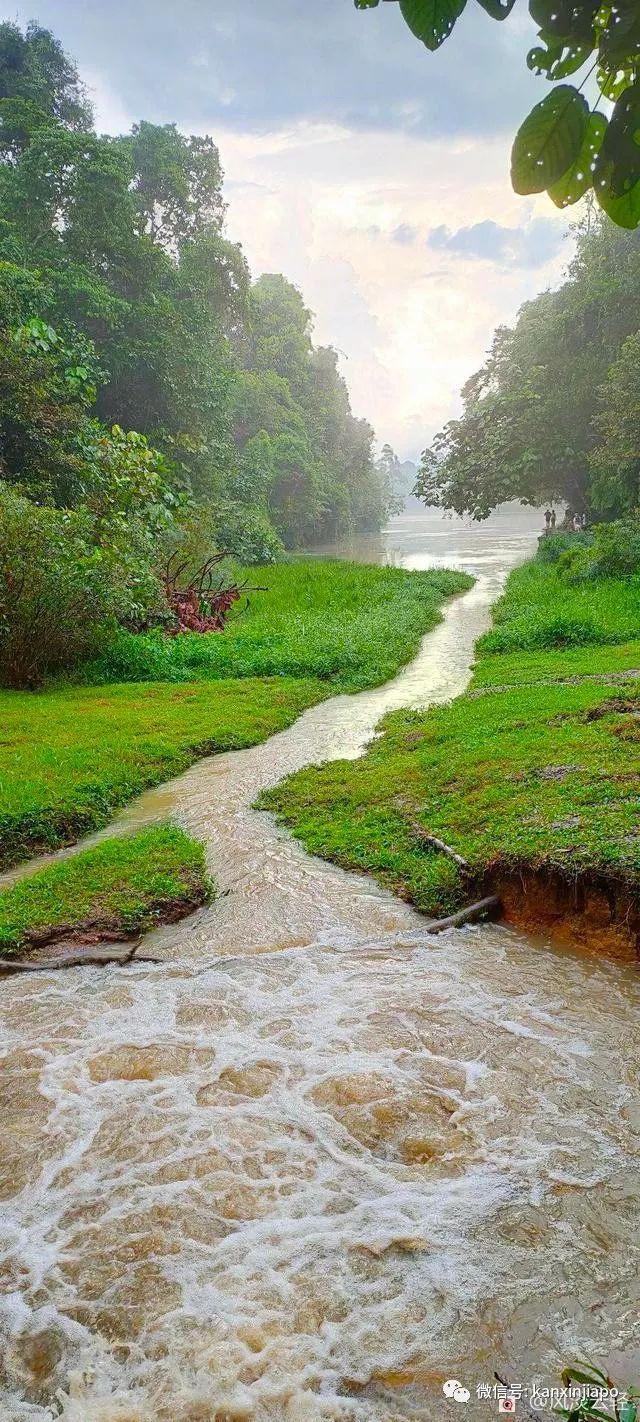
95 959
489 907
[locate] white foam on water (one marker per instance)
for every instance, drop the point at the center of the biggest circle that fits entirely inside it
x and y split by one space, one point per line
315 1161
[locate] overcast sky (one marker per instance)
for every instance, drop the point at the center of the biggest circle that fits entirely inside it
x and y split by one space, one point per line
373 174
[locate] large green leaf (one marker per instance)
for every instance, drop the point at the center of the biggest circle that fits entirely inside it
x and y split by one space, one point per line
624 211
497 9
571 20
579 177
549 140
432 20
618 165
556 59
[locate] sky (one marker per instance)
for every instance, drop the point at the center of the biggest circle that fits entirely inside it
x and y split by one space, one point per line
374 174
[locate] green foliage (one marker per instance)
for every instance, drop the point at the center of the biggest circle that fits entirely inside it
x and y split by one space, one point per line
37 82
123 304
547 605
615 459
125 885
346 623
61 593
612 552
550 141
563 147
72 755
537 768
554 412
590 1392
431 20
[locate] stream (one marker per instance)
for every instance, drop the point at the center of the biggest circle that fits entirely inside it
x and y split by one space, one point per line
316 1162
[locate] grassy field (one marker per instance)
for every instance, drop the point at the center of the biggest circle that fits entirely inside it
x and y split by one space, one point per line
350 624
538 765
121 886
541 609
72 755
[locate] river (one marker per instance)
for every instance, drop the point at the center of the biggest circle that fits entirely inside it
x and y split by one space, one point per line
315 1162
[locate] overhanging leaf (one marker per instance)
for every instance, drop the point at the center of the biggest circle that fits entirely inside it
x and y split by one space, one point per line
624 211
549 140
579 177
566 19
498 9
432 20
572 59
618 166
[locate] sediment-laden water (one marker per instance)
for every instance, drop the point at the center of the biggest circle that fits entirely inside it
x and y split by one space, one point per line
316 1161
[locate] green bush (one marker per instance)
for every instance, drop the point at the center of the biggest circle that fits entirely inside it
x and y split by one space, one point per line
61 595
532 633
612 552
553 546
247 533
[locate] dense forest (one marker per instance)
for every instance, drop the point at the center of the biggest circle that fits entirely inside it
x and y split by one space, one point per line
554 412
145 378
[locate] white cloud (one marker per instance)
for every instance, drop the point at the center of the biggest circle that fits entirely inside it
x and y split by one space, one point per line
413 321
324 205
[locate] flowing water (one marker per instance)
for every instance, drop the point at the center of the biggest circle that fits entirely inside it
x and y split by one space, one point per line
315 1161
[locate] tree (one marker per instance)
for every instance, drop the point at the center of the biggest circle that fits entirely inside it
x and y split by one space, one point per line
565 147
177 184
38 82
615 461
553 412
113 259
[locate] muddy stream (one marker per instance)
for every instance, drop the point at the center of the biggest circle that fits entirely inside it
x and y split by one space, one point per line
316 1161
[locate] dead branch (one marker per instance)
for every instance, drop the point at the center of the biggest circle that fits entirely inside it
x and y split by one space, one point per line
95 959
435 843
489 907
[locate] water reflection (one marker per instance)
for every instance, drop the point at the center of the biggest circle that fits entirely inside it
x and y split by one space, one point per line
428 538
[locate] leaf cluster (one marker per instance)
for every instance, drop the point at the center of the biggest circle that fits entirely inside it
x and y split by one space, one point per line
567 147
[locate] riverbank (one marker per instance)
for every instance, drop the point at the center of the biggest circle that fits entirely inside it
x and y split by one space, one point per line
112 892
71 755
531 776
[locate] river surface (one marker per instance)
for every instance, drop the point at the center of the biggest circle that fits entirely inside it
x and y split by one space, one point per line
316 1161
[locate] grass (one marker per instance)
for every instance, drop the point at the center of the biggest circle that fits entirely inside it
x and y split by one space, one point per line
542 609
346 623
72 755
543 773
120 887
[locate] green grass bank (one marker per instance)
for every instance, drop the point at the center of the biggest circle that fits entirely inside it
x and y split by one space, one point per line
71 755
118 888
533 776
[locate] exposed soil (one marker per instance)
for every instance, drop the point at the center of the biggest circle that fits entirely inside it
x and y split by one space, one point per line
47 944
591 913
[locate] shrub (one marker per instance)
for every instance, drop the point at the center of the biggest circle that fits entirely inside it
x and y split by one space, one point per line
530 634
61 595
612 552
553 546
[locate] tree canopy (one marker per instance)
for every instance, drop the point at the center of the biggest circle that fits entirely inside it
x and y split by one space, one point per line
567 147
123 303
554 412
